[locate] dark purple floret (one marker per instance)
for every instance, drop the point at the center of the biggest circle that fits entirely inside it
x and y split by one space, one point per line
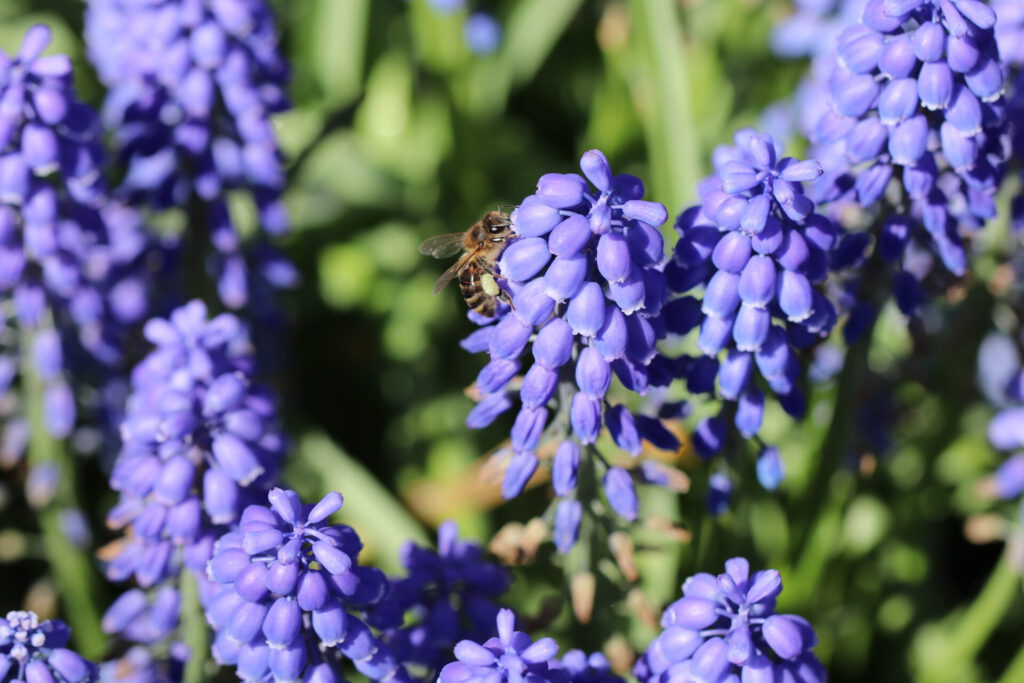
725 629
288 590
446 596
33 650
192 88
584 274
200 441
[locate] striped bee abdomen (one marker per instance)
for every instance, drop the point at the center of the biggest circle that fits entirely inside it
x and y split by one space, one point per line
472 287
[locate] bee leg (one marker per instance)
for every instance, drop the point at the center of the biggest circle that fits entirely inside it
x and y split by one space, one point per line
504 296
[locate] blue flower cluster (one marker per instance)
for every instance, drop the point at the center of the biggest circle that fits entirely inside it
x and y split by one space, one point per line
916 94
67 254
513 656
200 441
288 587
759 252
192 86
446 596
725 629
33 651
584 272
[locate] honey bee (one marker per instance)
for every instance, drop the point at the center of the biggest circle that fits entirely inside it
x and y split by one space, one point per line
481 246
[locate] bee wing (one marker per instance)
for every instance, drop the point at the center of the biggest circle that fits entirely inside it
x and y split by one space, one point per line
449 274
443 246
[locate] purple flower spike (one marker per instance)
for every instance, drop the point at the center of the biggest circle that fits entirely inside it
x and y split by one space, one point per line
586 273
725 628
199 442
761 253
915 92
189 104
68 251
511 656
293 585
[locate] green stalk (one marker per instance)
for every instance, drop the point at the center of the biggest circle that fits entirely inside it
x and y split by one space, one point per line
195 631
73 570
672 143
1015 671
971 630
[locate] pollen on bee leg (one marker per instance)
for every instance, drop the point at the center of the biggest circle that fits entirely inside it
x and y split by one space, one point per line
489 285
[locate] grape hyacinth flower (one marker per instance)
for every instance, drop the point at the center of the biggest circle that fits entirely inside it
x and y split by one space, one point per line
916 94
725 629
760 253
199 441
192 88
482 33
66 252
446 596
288 589
33 650
141 665
509 657
584 272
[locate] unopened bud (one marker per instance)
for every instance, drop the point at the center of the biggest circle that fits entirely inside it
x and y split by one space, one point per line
665 526
620 655
505 543
533 535
985 528
621 545
638 603
582 587
492 471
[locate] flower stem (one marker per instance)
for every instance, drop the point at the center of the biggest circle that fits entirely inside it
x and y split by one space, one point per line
195 631
1015 671
987 610
72 568
950 657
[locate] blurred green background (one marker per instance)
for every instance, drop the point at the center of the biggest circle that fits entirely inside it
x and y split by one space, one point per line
399 132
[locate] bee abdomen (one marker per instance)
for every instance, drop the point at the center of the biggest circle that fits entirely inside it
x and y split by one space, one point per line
471 286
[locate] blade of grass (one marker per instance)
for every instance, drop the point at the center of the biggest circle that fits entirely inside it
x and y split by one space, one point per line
72 568
672 143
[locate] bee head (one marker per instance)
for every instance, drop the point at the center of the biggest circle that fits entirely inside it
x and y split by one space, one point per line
496 222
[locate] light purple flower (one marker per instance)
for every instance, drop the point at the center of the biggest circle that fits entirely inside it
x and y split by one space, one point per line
584 274
287 589
725 628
